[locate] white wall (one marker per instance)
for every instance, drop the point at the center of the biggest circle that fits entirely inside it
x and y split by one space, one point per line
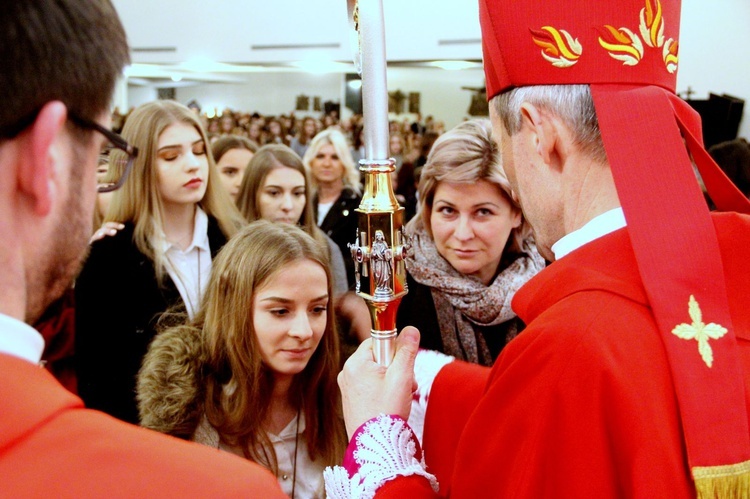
714 57
140 95
267 93
715 51
276 93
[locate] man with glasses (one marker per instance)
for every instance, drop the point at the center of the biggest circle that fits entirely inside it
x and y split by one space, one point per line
60 61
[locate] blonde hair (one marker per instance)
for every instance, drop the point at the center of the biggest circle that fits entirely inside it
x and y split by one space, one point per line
341 146
465 155
233 355
138 200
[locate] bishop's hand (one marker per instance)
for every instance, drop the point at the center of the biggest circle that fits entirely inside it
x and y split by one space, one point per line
369 389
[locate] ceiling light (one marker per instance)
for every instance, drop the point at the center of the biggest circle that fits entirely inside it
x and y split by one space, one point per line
454 65
321 66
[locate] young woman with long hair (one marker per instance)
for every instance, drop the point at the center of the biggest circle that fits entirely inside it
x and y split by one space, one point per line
176 216
254 372
276 187
336 187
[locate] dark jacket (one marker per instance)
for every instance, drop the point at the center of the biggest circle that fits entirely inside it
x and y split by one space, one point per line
417 309
340 224
118 303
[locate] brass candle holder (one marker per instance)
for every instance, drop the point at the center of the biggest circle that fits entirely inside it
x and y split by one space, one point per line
379 252
380 245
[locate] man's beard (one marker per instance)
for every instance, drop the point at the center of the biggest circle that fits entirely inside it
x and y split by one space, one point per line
68 245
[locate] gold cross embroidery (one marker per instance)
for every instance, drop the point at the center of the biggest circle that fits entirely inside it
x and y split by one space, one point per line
699 331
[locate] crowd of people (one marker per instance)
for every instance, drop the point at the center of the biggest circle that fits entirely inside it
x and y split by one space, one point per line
215 302
200 227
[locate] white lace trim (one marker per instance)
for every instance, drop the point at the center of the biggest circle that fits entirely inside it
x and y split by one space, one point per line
385 449
426 368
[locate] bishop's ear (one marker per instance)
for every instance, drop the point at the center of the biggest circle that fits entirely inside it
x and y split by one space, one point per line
542 131
43 151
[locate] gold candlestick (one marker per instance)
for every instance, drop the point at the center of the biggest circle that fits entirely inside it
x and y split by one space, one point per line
380 245
379 252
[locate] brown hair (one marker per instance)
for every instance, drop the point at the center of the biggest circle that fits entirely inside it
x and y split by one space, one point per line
38 38
226 143
267 158
233 356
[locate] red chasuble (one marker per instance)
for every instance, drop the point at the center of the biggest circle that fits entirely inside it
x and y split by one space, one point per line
581 404
50 446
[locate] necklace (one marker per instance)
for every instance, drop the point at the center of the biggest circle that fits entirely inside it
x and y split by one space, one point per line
294 464
294 459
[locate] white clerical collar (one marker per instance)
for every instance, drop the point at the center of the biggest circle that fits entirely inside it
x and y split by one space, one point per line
597 227
20 340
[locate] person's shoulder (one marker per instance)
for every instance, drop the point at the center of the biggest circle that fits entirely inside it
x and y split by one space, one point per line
349 195
216 237
169 381
156 462
329 241
731 223
122 240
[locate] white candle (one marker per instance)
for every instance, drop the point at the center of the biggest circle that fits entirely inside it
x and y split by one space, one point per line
374 80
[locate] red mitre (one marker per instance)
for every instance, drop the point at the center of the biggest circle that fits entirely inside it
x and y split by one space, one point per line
627 51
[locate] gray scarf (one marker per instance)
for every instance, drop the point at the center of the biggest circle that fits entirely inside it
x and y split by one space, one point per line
463 302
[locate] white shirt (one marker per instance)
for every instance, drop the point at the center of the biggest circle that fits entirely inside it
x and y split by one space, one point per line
308 480
191 268
309 475
597 227
323 209
20 340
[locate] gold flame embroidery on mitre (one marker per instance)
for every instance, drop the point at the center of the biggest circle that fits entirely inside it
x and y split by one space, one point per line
558 46
622 45
652 24
669 54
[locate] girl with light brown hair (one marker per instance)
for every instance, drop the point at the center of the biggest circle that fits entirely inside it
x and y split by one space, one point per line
254 373
276 187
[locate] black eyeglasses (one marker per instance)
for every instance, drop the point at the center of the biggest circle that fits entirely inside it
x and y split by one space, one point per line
119 168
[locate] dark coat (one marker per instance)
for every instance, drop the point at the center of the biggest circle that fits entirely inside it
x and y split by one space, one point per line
417 309
118 303
340 224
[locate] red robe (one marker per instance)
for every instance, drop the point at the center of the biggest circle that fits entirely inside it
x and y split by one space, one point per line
50 446
582 403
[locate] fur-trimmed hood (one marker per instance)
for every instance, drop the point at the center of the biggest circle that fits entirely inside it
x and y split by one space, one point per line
170 393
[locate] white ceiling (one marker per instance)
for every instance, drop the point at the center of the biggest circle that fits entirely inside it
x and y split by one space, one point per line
224 40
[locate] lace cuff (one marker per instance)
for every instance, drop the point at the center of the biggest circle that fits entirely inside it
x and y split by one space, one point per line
426 367
381 449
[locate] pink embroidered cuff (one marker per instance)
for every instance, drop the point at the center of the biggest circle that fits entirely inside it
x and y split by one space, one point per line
380 450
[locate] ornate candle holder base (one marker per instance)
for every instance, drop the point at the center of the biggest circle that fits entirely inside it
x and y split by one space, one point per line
379 253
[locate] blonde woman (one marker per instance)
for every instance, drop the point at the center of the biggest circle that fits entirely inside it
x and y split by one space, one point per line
336 185
254 373
472 249
176 216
